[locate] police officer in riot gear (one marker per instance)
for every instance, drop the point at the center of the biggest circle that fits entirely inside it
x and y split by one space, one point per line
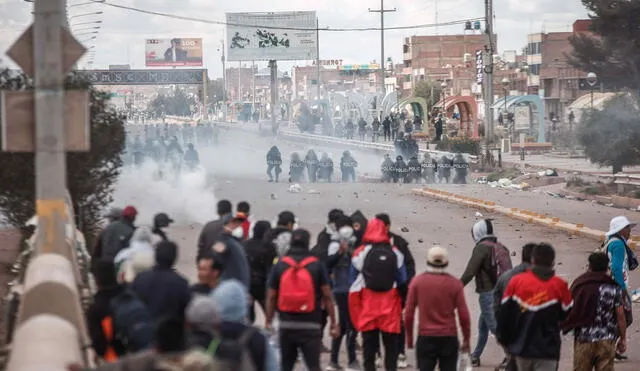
311 162
274 160
402 171
325 168
296 168
461 168
429 168
348 167
388 169
191 158
415 170
444 169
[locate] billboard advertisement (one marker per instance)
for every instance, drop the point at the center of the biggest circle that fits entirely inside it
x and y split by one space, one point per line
272 36
175 52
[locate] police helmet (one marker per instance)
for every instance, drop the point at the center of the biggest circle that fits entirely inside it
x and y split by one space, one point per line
190 145
346 154
399 158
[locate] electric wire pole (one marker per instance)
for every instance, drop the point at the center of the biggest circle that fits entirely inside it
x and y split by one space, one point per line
488 69
319 91
382 10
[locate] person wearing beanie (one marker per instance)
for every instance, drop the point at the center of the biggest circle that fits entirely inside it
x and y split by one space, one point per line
117 234
261 254
230 300
165 292
212 231
482 269
201 317
437 296
300 326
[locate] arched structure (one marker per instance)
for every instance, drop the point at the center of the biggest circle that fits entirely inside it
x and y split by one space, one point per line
388 102
416 105
468 108
584 102
537 109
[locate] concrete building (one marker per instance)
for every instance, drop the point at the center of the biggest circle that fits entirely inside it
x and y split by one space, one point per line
336 78
550 74
241 81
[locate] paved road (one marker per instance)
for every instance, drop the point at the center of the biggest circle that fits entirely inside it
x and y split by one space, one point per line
238 174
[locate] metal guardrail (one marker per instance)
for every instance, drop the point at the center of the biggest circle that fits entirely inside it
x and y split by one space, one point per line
627 179
290 134
45 305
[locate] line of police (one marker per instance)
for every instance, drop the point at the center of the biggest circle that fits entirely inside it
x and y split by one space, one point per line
316 169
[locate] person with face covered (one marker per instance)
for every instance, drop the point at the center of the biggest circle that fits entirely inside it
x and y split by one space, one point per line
274 160
402 171
228 249
325 170
311 163
339 268
415 170
296 168
348 167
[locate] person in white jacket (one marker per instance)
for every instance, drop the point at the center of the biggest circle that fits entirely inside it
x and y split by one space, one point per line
138 257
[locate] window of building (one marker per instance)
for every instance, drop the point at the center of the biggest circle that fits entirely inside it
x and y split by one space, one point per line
534 48
405 48
534 69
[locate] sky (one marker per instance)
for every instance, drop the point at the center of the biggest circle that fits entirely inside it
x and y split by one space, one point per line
122 33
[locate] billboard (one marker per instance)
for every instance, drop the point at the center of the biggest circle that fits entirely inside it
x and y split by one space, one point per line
258 36
175 52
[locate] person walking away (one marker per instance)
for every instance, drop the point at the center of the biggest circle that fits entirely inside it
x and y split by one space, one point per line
297 286
339 264
403 246
280 236
438 296
362 128
201 317
489 260
117 234
160 222
140 251
243 211
386 128
236 343
274 160
509 363
376 129
165 292
230 252
534 305
622 259
209 273
375 296
261 254
212 230
100 315
597 319
112 216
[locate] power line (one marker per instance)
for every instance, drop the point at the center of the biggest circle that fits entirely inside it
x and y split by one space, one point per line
329 29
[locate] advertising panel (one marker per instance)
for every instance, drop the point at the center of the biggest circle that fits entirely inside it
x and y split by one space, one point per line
522 117
272 36
175 52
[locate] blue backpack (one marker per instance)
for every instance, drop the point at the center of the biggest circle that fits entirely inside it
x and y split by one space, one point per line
132 321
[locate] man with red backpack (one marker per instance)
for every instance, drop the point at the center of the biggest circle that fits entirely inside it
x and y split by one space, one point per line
376 294
489 260
298 284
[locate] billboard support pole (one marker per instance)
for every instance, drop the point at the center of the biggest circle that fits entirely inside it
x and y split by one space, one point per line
318 58
273 64
239 81
205 93
253 86
224 84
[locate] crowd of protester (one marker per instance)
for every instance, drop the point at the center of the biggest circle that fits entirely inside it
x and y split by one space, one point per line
358 282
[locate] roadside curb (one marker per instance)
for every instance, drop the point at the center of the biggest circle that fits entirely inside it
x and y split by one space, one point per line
528 216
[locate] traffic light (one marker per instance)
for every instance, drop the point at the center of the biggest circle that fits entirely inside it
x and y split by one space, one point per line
467 26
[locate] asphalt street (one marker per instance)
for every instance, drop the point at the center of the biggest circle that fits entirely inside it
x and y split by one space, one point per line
236 171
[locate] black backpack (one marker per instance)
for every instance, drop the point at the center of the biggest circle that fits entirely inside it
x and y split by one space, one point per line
380 267
132 321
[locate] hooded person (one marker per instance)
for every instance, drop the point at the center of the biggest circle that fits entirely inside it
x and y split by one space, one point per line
320 250
280 235
261 254
138 257
165 292
359 225
243 211
231 305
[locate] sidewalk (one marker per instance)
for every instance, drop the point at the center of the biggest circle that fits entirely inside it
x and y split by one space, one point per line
563 164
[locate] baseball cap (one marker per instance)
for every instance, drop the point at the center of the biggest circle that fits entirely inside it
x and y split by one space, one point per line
619 223
129 211
162 220
114 213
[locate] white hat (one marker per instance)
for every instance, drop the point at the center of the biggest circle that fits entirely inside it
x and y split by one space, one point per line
437 259
619 223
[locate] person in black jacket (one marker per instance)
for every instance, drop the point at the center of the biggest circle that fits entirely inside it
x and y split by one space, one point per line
403 246
324 237
100 309
261 254
160 221
212 230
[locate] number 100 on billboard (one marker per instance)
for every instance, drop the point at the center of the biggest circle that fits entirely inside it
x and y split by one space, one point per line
174 52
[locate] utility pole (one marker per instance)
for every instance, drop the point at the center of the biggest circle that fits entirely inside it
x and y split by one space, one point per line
273 65
239 82
224 83
382 10
253 86
488 69
318 58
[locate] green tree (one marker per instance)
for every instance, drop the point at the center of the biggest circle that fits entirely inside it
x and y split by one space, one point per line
612 52
177 104
611 137
91 176
429 91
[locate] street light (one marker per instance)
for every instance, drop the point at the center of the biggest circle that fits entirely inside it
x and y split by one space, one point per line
83 23
84 15
505 84
592 79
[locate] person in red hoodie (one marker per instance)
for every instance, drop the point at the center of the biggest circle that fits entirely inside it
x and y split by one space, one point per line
437 295
379 283
242 212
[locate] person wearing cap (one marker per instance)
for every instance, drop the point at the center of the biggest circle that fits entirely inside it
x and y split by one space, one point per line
212 230
229 250
160 221
301 331
117 234
438 296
